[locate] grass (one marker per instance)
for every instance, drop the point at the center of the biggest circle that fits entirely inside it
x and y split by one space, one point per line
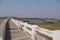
51 26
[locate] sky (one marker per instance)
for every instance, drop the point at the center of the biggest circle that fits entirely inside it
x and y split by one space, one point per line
30 8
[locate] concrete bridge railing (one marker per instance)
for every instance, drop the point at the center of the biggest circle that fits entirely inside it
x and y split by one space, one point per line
32 29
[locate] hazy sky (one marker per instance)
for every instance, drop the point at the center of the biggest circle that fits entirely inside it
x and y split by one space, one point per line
30 8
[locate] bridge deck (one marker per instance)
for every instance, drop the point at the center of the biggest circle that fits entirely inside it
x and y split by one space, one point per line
1 28
15 33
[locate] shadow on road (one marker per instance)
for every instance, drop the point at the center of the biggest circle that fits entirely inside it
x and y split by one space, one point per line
7 31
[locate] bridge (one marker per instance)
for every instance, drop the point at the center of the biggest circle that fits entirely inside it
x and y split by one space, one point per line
12 29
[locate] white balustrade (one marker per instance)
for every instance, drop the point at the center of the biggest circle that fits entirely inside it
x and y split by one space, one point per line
55 35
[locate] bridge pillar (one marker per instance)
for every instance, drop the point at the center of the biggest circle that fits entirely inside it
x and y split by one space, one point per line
56 35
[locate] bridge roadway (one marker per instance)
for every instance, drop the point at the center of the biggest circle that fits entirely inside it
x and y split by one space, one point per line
1 27
15 33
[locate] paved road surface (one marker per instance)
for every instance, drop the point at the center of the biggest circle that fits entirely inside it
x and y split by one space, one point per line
15 33
1 21
1 27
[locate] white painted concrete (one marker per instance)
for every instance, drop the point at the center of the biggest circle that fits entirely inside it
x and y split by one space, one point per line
54 34
44 31
38 37
0 38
